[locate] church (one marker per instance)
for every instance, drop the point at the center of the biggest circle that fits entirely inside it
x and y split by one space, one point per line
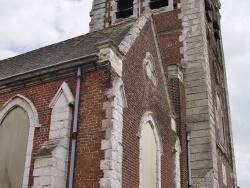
141 101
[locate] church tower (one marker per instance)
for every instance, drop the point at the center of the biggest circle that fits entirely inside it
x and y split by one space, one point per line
139 102
188 37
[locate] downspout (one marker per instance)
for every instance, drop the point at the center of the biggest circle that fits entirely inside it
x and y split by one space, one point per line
188 131
74 133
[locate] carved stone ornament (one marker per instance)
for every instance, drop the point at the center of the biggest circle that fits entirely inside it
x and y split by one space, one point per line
149 68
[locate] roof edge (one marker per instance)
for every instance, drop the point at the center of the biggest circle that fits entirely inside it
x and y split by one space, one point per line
51 73
72 64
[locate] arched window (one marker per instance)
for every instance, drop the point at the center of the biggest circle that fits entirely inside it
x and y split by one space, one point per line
148 157
14 132
150 153
18 119
220 121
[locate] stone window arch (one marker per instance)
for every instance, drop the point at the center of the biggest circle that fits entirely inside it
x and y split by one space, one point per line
220 121
53 155
18 111
150 153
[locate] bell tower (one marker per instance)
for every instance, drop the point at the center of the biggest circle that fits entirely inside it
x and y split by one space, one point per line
105 13
188 35
206 95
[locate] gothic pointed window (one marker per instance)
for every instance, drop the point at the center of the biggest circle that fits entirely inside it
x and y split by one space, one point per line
150 153
148 157
14 133
124 8
18 120
149 69
155 4
220 121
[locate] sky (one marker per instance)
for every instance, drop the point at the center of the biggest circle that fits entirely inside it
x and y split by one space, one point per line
29 24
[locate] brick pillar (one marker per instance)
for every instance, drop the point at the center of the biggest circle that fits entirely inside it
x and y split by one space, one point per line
177 93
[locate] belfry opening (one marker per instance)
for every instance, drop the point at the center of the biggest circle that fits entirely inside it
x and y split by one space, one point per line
156 4
125 8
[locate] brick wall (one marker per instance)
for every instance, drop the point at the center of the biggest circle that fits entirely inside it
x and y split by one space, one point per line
168 27
142 97
88 153
41 97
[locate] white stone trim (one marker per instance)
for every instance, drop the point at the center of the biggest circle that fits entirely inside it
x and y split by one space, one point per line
112 145
175 72
29 108
177 170
23 102
51 164
66 90
173 124
198 91
108 51
224 174
97 15
134 32
148 118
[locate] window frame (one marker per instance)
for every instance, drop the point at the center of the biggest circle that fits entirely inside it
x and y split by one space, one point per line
148 118
29 108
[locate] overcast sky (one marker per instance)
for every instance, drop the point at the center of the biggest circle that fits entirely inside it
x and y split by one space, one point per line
29 24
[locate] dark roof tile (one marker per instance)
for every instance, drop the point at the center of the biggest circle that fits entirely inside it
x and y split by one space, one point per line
60 52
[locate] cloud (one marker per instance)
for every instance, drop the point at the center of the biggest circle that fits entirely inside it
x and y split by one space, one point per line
29 24
243 154
236 39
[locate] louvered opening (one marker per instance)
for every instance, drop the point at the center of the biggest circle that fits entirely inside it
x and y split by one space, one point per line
155 4
216 34
124 8
208 5
216 25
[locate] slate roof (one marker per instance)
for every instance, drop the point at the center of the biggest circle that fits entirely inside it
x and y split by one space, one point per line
60 52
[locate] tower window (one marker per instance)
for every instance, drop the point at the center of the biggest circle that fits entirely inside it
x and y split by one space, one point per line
209 16
208 5
216 24
155 4
216 34
125 8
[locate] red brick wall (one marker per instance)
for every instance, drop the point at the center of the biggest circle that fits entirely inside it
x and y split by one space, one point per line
177 93
169 30
142 97
40 96
90 134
